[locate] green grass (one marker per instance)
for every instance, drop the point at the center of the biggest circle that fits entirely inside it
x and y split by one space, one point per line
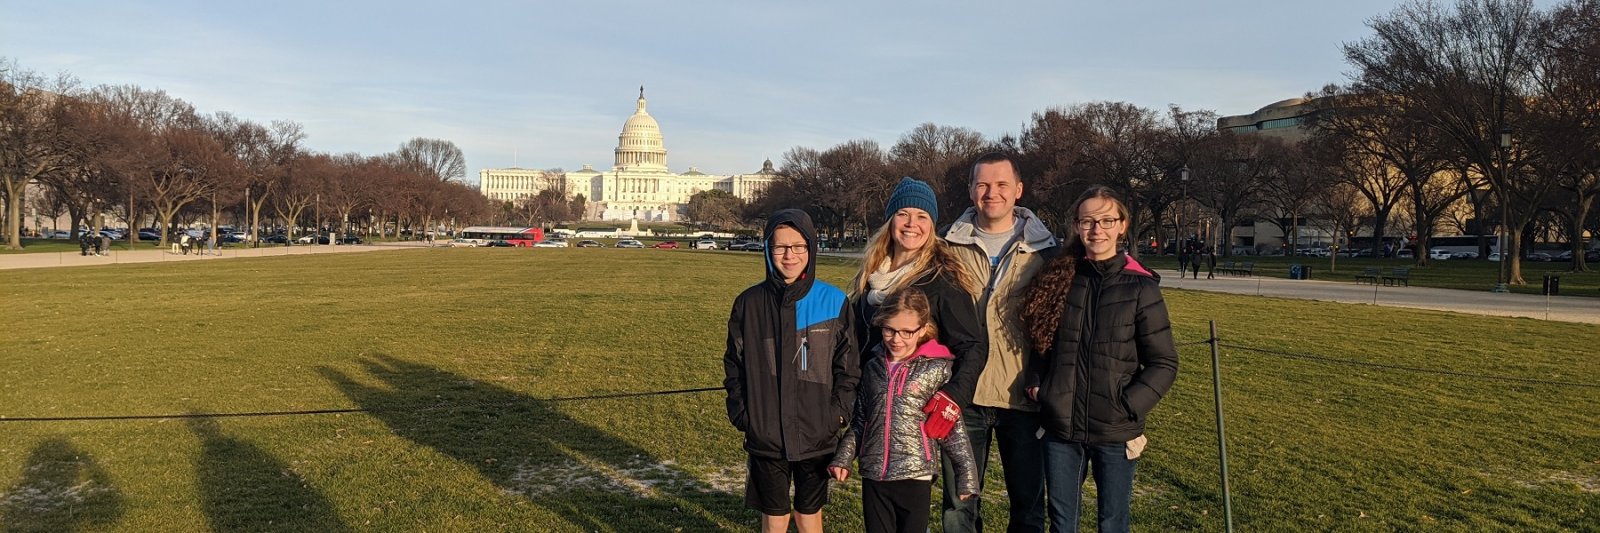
1472 275
456 350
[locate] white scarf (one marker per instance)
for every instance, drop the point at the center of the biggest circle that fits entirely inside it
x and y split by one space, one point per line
882 280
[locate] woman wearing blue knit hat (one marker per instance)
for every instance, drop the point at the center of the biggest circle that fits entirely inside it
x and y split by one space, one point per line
907 252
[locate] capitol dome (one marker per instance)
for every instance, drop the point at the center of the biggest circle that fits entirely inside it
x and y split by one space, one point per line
639 146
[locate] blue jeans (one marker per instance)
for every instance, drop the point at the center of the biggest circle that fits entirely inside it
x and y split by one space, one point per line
1022 456
1068 464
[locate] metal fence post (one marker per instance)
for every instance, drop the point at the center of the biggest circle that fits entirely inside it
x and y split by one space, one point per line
1222 435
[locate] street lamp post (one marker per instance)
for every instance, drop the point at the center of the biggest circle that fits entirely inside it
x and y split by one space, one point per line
1183 175
1502 270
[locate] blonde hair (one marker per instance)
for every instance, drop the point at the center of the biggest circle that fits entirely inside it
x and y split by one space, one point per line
935 256
908 300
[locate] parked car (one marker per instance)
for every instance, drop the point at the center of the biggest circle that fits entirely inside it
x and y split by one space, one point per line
308 239
629 243
1405 253
351 239
497 243
1592 255
277 238
1439 254
752 246
666 245
463 243
550 244
149 236
590 244
1494 256
1538 256
1464 255
704 244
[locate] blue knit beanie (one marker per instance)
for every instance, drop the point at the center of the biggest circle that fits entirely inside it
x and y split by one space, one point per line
912 192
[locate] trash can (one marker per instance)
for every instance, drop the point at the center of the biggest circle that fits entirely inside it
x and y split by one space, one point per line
1552 284
1305 271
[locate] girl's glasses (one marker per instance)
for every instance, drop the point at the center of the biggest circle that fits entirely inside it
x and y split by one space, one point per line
907 334
1104 223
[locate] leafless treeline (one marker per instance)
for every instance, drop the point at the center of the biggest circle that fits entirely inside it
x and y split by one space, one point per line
142 156
1417 132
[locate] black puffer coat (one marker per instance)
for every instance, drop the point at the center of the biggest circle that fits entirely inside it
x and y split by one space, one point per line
1101 391
791 364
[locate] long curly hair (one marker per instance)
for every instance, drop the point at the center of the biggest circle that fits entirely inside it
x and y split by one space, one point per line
935 256
1047 294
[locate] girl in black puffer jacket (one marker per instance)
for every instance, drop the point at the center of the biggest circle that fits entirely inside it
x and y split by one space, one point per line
1104 358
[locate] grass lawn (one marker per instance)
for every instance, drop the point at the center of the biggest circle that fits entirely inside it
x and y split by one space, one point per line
456 352
1464 274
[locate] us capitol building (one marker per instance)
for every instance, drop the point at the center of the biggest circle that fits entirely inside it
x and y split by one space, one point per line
639 186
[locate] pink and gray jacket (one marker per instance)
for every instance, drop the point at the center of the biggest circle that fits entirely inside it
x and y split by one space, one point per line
886 436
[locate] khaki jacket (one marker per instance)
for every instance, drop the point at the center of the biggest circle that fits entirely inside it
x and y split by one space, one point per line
1001 384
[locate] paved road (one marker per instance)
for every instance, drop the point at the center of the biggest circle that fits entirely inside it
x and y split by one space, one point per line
1561 308
152 255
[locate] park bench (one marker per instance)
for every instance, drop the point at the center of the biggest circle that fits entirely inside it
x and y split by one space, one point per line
1225 268
1400 276
1369 274
1248 269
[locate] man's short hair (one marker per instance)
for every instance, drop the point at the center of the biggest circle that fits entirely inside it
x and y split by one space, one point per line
992 157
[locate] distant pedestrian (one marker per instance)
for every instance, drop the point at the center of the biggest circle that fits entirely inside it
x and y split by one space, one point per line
1211 264
1194 265
1183 259
211 244
104 248
185 242
84 244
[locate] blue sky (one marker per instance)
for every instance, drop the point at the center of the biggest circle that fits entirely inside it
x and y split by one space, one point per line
549 84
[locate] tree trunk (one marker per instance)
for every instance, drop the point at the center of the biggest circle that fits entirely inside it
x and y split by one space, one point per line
1579 216
15 195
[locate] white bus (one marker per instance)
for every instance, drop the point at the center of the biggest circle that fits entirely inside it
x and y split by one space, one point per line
1462 246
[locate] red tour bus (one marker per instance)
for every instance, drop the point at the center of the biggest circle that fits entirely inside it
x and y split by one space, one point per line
520 237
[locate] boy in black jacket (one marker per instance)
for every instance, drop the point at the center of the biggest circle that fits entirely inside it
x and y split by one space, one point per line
792 367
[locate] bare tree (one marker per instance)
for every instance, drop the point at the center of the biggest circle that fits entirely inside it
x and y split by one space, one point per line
33 140
1229 175
1468 72
436 159
940 155
1562 126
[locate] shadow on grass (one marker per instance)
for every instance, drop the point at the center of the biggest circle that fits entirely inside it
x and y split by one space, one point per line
62 489
244 488
593 479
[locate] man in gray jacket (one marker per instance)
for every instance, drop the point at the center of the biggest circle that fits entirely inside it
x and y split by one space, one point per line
1005 245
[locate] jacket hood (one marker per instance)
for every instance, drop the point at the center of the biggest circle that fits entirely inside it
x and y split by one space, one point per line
933 350
1035 236
801 222
1135 267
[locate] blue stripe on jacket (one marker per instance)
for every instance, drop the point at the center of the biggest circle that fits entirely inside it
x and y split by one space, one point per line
821 304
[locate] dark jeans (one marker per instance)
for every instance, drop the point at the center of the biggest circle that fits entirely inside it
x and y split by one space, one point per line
1022 457
1067 464
895 506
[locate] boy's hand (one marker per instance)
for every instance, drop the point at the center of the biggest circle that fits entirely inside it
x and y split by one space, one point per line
965 497
1033 393
839 474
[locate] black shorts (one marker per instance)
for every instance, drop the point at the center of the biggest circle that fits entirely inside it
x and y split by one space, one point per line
766 488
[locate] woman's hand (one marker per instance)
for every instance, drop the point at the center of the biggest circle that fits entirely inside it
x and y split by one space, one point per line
965 497
839 474
1033 393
